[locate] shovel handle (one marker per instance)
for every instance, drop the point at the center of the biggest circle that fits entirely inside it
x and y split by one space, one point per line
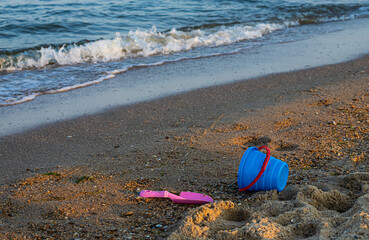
263 167
154 194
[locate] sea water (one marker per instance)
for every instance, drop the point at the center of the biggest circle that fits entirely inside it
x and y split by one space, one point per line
56 46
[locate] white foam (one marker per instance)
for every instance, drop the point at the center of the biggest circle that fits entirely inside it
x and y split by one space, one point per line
137 43
68 88
15 101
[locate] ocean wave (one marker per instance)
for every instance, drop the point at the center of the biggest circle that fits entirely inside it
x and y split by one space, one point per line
145 43
137 43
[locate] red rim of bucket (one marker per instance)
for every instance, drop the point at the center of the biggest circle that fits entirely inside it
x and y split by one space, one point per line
263 167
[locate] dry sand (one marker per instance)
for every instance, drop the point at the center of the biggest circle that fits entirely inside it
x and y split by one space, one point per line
80 179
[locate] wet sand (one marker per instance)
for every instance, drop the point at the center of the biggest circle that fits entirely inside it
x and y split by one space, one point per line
81 178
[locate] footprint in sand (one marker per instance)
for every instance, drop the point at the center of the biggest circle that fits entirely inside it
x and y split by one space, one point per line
298 212
254 141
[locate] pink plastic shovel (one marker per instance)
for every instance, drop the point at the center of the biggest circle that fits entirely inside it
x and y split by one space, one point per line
184 197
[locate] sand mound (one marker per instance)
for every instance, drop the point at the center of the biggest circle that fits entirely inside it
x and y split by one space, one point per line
298 212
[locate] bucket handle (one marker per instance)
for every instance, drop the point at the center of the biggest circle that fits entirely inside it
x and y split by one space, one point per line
263 167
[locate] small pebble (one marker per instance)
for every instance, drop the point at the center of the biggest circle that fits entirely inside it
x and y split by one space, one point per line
127 214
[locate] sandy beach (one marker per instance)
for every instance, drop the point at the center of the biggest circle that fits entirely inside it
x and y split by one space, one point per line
80 179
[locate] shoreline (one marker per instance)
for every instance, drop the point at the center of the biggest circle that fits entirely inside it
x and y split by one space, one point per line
148 84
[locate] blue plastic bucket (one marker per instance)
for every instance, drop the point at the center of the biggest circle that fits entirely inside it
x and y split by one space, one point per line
274 177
